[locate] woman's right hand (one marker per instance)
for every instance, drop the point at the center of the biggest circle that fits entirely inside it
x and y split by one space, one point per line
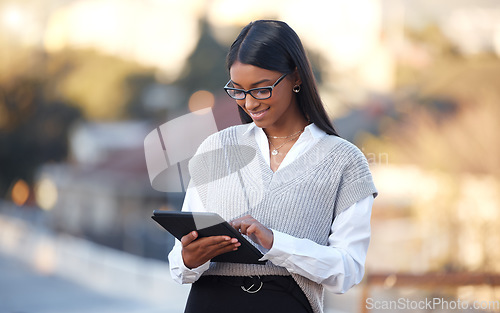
197 252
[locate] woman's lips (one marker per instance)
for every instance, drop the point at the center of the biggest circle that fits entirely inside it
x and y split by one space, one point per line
258 115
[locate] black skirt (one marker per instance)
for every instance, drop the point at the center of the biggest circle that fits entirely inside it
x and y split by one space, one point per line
231 294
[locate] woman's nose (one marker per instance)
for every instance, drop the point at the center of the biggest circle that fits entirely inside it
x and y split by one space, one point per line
251 103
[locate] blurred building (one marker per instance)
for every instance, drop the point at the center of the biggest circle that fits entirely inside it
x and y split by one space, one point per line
104 193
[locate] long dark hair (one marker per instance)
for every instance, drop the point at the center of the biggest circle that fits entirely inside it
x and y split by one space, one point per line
273 45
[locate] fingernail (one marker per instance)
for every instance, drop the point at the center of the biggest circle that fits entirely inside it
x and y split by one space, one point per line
234 240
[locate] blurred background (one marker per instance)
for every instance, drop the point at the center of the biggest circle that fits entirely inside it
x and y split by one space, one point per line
414 84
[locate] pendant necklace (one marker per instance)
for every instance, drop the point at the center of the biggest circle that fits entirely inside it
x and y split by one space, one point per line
275 149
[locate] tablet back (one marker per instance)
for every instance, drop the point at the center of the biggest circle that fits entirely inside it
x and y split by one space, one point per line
207 224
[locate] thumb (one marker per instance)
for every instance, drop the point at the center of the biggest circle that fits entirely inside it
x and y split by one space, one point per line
187 239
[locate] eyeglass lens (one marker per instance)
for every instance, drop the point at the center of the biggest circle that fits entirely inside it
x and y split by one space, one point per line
263 93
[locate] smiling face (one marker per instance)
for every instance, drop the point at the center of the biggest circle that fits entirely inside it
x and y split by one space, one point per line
279 114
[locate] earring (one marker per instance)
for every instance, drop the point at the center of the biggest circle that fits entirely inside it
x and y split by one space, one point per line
296 88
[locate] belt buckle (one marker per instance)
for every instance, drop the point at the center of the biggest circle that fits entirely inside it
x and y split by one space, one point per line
249 289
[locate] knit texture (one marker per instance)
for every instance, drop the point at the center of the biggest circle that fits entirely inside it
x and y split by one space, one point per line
302 199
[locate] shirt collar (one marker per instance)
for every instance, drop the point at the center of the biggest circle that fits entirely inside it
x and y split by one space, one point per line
315 131
250 130
312 129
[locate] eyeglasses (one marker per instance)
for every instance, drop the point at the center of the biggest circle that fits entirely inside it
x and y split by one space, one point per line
261 93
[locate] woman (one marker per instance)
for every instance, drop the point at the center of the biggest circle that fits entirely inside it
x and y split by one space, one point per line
304 199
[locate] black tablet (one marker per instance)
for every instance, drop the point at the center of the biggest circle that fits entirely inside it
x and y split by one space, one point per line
207 224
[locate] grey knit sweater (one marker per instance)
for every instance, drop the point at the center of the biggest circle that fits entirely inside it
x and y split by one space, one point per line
302 199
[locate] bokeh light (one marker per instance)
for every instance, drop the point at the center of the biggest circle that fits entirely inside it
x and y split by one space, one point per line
201 99
45 257
46 194
12 17
20 192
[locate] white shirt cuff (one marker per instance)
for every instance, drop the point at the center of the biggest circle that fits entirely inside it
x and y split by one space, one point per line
178 270
283 247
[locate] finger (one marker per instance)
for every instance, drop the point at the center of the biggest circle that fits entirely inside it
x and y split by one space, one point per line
216 241
236 223
246 224
187 239
224 249
243 229
209 248
261 235
252 229
221 241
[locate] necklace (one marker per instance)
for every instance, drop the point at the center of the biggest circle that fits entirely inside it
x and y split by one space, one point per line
275 150
284 137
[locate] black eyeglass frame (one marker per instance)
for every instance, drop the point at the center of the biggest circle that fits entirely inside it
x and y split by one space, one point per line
249 91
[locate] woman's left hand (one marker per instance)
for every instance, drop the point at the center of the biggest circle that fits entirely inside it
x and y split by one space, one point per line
247 225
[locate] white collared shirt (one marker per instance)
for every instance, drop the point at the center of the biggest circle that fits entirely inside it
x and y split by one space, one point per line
337 266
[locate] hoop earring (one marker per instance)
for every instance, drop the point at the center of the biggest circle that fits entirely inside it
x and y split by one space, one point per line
296 88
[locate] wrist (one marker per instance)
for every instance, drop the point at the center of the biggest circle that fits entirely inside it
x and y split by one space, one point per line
187 263
270 241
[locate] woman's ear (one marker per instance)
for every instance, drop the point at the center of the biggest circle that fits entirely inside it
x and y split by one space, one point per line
296 77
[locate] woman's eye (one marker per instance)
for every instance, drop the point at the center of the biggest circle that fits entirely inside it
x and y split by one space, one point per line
263 92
